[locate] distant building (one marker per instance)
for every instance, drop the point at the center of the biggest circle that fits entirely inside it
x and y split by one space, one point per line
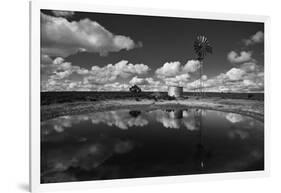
175 91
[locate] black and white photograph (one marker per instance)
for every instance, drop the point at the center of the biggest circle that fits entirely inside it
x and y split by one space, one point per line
133 96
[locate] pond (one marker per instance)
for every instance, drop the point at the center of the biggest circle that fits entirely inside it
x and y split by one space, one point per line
163 142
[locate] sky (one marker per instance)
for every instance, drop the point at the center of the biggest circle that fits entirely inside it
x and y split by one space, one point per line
82 51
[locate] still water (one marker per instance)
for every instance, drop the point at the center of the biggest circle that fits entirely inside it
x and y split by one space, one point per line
131 143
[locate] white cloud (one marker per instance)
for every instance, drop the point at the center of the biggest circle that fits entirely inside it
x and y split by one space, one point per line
177 80
169 69
116 86
58 76
148 84
45 59
258 37
176 70
173 73
61 37
235 74
191 66
153 85
248 82
245 78
59 13
57 68
244 56
249 67
58 60
138 81
109 73
83 71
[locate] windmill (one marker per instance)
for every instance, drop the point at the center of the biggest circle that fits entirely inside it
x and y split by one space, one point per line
202 47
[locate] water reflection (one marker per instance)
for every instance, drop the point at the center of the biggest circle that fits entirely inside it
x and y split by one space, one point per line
134 113
234 118
84 157
134 143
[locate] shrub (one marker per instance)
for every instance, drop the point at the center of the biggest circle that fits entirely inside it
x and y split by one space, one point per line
135 89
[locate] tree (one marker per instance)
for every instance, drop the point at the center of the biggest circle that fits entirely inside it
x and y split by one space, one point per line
135 89
202 47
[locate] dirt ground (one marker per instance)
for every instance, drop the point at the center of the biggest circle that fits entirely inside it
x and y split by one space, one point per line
253 108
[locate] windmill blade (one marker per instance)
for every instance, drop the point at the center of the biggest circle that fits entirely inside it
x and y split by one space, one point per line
202 46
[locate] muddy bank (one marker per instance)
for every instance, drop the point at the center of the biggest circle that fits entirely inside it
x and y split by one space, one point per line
253 108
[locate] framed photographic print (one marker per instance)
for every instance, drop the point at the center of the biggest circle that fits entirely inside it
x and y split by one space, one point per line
124 96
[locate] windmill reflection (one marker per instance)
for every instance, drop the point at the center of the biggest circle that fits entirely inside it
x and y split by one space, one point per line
201 151
175 114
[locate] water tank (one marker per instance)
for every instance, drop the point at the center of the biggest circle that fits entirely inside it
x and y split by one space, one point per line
175 91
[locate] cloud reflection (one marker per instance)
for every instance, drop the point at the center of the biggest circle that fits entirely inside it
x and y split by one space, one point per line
177 118
234 118
169 118
124 119
241 126
121 119
57 162
94 146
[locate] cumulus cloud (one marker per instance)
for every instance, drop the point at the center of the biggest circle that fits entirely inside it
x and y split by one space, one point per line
58 75
60 37
235 74
170 69
141 81
191 66
57 68
173 73
109 73
244 78
235 57
148 84
250 67
138 81
258 37
116 86
45 59
177 80
66 14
